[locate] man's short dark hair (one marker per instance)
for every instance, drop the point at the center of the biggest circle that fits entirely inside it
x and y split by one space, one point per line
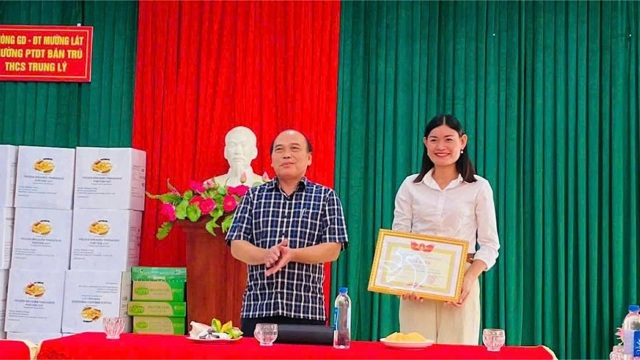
309 148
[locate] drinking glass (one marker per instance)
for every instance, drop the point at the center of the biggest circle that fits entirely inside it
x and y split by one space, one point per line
266 334
113 327
493 339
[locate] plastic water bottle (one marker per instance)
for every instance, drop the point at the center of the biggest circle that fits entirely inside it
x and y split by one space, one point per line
631 333
342 320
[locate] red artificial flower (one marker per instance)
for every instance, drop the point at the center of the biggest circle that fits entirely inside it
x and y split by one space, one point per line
207 205
196 186
240 190
168 212
229 203
196 199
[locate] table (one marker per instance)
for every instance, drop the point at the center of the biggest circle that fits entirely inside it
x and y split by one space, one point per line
138 346
14 349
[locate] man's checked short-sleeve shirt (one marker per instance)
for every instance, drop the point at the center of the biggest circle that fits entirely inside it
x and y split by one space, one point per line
310 216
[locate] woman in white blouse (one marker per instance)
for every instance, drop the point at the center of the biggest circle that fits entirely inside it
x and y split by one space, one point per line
448 199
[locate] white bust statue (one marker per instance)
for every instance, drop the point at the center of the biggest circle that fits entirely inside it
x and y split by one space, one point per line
240 149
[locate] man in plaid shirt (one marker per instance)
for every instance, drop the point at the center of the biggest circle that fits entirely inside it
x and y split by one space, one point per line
285 230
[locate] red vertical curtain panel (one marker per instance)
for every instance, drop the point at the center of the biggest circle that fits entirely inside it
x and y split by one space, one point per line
204 67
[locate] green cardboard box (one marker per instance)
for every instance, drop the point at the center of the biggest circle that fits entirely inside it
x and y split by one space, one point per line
154 283
159 325
157 308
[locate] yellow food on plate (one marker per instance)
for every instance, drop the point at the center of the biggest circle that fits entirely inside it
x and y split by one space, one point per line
216 325
226 327
413 337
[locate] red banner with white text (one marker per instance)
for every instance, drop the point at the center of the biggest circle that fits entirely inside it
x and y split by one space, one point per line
45 53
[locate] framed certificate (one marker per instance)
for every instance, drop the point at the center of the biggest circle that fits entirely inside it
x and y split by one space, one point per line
431 267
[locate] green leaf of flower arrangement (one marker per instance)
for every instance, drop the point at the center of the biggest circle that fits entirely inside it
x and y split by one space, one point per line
210 226
216 213
209 194
226 223
170 198
164 230
193 212
181 209
188 195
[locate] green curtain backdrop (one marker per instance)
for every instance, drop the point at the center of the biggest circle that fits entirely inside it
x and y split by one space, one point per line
75 114
548 93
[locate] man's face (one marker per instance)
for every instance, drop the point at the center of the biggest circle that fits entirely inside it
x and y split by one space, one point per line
290 156
239 150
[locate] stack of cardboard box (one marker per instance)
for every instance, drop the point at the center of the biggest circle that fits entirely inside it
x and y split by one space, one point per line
109 196
8 162
158 300
41 242
76 235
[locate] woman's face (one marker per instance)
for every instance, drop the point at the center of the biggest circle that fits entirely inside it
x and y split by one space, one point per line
444 145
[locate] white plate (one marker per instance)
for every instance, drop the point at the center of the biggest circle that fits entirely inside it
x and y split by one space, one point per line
407 345
213 340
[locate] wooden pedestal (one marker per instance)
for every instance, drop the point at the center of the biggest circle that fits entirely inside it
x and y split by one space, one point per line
215 279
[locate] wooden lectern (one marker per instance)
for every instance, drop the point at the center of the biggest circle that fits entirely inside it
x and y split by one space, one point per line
215 280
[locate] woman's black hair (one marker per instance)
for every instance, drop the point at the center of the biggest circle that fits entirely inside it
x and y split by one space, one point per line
463 165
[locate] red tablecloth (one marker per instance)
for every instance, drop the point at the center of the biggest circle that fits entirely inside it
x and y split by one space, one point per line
135 346
13 349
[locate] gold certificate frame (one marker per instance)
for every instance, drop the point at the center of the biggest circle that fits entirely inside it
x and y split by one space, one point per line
431 267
